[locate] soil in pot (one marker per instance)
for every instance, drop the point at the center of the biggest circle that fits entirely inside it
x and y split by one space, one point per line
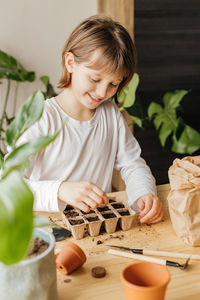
37 247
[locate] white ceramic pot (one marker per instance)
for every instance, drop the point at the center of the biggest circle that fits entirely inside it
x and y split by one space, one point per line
31 279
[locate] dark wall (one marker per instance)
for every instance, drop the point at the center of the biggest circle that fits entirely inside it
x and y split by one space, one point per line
167 37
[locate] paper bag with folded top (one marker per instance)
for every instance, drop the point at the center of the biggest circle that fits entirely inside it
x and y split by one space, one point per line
184 198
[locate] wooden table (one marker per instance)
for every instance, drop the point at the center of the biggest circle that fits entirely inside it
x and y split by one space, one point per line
183 285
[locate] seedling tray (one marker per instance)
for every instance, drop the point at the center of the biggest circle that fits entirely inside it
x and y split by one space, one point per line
107 218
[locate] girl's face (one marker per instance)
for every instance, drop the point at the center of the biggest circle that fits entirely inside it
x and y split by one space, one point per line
91 87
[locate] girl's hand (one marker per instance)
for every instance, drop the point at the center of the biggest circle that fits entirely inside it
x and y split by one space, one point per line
83 195
151 209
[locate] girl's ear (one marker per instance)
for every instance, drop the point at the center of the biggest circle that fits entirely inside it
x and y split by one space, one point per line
69 62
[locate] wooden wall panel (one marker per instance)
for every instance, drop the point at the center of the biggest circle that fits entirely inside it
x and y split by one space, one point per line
167 36
120 10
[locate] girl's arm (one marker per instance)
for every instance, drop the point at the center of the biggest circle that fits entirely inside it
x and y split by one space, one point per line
140 183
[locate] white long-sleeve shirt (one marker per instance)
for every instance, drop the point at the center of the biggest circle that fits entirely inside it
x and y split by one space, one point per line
85 151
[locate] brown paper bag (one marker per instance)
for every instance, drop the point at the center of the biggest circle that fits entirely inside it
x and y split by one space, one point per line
184 198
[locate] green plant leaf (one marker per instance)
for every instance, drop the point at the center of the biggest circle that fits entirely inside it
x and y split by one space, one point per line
137 121
164 132
165 119
136 112
10 68
154 108
131 91
172 99
19 156
189 141
49 88
16 222
45 80
127 94
28 114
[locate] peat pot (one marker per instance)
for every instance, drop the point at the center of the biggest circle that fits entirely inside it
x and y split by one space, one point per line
31 279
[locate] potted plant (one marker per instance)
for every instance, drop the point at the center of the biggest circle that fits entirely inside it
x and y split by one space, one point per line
33 278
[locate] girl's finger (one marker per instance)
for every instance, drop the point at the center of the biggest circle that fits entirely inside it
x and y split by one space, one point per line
89 202
82 206
147 208
140 204
159 217
101 193
152 211
95 197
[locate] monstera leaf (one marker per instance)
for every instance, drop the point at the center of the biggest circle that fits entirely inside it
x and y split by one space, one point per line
189 141
127 94
49 87
10 68
167 122
128 100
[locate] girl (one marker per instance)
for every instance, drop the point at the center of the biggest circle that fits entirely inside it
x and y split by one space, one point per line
98 60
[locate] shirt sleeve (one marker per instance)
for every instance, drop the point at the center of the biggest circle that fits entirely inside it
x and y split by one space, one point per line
133 168
45 195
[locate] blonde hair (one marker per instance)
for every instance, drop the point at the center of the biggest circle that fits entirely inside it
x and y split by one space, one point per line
99 32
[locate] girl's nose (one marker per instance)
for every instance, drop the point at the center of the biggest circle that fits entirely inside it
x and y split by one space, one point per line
101 91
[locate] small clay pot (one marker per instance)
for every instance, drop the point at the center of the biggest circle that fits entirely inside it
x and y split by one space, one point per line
70 258
145 281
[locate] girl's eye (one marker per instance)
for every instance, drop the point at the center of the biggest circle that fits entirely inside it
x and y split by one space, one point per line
114 85
95 80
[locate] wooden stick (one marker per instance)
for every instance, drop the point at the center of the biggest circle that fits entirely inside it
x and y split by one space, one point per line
138 256
170 254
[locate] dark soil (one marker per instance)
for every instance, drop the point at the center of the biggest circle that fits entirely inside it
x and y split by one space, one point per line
99 242
68 207
92 219
71 213
38 246
76 222
109 216
111 201
118 205
104 208
124 213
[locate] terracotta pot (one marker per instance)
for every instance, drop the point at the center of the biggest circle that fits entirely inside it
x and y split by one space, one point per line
70 258
145 281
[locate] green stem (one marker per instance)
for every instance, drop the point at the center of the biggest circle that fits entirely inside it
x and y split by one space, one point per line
15 98
5 106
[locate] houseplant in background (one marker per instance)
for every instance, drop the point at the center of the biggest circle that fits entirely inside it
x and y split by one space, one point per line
14 73
16 215
173 136
167 119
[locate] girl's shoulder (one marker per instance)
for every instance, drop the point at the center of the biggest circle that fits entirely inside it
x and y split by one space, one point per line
111 107
52 113
49 123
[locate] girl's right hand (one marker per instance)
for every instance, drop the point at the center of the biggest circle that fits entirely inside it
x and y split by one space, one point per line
83 195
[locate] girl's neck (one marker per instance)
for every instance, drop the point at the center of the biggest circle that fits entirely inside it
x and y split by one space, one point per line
73 108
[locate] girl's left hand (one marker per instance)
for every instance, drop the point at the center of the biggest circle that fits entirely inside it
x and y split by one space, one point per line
151 209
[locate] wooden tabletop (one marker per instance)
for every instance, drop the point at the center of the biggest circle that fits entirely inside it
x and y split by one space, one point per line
184 284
